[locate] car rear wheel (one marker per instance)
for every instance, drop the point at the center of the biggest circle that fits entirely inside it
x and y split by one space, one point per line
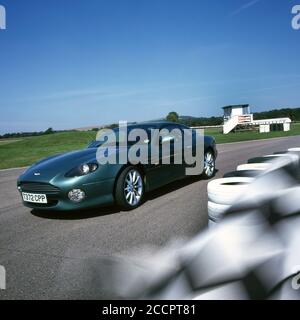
129 190
209 165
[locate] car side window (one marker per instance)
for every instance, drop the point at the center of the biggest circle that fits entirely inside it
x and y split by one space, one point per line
176 135
149 132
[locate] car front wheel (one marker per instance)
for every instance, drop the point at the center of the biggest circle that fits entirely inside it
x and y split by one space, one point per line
129 190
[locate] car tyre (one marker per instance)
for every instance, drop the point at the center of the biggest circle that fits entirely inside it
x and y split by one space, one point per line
209 165
227 190
243 173
130 189
254 166
294 150
216 211
267 158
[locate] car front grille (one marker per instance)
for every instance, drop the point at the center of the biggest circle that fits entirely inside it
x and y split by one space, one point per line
39 187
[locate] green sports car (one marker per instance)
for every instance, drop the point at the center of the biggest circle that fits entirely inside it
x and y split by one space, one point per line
76 180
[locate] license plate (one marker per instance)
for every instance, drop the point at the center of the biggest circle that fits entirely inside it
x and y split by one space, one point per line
34 198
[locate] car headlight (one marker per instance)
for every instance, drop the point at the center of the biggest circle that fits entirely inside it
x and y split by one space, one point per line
82 170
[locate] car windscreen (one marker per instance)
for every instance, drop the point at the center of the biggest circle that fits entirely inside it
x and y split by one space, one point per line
114 135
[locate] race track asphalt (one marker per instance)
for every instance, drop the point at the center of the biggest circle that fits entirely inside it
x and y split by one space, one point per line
45 254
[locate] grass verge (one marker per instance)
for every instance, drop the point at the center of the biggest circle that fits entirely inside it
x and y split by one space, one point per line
28 150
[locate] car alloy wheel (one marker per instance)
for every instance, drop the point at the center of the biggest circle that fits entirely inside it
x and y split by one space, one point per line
133 187
129 188
209 164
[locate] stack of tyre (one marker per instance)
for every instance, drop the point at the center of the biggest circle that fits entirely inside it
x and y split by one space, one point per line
225 192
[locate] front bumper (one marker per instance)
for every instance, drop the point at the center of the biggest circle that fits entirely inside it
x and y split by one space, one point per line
97 194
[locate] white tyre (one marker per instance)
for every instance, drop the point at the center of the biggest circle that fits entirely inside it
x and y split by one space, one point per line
216 211
291 157
227 190
254 166
276 155
211 224
294 150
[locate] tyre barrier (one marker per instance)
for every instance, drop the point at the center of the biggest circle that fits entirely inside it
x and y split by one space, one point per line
222 193
225 192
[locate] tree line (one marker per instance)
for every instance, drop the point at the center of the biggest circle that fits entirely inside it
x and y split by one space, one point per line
27 134
292 113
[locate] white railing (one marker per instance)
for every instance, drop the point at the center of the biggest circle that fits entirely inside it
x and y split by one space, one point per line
235 120
246 118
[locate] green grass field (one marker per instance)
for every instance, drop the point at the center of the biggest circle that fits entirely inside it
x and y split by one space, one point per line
28 150
25 151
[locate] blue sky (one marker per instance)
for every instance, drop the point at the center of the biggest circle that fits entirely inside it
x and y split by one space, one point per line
75 63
